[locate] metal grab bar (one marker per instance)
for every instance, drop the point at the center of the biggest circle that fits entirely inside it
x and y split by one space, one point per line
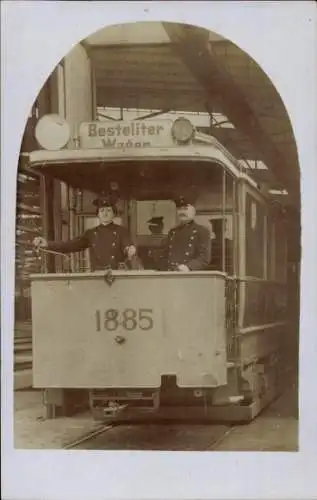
45 250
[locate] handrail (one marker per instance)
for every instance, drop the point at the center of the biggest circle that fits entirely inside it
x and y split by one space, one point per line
133 273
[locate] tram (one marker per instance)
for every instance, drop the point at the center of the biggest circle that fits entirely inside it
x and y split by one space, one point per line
202 344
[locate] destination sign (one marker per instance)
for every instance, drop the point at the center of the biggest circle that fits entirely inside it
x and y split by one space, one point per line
126 135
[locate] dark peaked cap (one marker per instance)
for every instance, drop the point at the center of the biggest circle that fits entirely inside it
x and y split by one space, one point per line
155 221
105 200
183 201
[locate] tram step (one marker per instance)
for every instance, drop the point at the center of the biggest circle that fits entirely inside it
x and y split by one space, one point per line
109 403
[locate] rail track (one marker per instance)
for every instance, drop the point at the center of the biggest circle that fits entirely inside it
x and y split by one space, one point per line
97 440
87 437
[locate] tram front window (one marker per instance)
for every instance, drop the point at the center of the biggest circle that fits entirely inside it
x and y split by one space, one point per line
168 209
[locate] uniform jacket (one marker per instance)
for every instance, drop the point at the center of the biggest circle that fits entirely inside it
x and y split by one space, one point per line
188 244
106 245
151 255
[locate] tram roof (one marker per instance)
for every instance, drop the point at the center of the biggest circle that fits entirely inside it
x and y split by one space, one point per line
154 66
90 168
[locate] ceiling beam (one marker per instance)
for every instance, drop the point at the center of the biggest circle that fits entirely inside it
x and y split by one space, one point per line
152 98
192 46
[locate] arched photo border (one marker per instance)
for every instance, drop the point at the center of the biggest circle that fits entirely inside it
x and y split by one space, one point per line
281 37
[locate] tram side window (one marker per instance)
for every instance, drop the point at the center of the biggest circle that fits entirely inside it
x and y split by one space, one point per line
255 223
221 235
271 248
280 253
276 250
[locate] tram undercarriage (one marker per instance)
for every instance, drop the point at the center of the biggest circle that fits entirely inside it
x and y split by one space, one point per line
173 403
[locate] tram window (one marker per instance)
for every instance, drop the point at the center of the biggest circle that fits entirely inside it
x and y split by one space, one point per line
276 251
255 223
270 248
221 235
280 253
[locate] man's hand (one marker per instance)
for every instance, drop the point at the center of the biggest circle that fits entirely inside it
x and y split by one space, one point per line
183 268
131 251
40 242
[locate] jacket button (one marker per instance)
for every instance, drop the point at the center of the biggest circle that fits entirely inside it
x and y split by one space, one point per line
113 244
187 253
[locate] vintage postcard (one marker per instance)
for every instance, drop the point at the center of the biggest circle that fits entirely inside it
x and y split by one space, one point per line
157 233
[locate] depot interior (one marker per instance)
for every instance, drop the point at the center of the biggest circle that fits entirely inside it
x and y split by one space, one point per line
69 211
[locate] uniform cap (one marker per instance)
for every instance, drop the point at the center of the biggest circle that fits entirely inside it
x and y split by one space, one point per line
155 221
183 201
105 200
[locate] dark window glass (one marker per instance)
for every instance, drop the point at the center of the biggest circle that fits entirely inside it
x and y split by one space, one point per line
255 218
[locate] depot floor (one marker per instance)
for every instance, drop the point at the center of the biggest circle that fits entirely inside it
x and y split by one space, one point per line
275 429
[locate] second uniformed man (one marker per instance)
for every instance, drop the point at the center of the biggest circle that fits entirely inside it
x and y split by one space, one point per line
156 225
109 244
151 255
188 245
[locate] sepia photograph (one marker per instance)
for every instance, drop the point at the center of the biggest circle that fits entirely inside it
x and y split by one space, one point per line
157 264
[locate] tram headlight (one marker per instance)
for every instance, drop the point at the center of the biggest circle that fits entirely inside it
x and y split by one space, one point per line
183 130
52 132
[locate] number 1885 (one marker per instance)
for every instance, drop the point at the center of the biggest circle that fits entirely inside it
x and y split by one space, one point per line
129 319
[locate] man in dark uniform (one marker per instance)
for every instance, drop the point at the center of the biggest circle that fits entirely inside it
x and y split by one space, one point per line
152 254
109 244
188 245
156 225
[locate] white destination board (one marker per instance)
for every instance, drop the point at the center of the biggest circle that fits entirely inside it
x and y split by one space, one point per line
126 135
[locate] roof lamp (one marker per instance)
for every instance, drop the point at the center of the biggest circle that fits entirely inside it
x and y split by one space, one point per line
182 130
52 132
